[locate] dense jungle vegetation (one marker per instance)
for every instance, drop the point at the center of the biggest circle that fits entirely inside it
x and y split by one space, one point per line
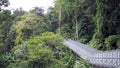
34 40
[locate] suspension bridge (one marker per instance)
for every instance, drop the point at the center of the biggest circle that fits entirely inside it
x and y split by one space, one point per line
110 59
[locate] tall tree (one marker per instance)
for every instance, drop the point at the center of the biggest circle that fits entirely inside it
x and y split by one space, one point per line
17 14
37 10
5 24
107 24
30 25
3 3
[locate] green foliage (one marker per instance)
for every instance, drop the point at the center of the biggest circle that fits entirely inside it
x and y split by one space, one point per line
66 31
80 63
37 10
30 25
99 20
47 38
44 51
21 64
2 61
118 44
5 59
5 24
2 48
53 41
57 64
32 53
107 27
17 14
42 54
20 51
112 42
77 20
95 22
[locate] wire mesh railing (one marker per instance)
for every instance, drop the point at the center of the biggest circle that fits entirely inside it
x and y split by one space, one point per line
93 56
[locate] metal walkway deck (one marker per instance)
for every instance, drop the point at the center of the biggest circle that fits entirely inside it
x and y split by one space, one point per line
93 56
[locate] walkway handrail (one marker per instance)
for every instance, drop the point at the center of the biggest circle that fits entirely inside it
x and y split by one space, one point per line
93 56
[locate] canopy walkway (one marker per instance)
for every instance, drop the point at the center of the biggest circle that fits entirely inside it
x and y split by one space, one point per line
93 56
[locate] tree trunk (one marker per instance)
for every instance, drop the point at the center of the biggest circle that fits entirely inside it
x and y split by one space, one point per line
60 12
76 26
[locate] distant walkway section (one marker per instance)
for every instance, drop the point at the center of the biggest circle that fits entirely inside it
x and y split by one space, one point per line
93 56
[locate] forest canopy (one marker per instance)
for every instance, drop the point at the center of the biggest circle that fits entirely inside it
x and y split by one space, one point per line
32 39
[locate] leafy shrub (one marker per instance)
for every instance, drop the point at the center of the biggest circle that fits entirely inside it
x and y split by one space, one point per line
32 53
80 63
57 64
5 59
29 25
44 51
112 42
21 64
